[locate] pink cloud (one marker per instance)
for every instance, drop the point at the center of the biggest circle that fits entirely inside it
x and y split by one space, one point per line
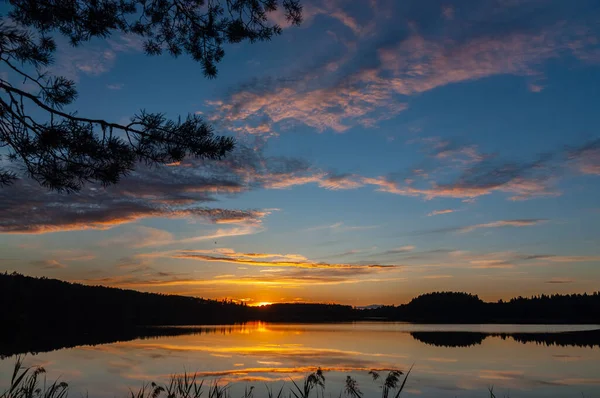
443 211
587 158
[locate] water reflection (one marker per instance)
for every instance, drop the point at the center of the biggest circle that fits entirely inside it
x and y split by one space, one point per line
589 338
462 362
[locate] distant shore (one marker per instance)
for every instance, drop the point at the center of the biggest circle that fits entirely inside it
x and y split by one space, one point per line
40 314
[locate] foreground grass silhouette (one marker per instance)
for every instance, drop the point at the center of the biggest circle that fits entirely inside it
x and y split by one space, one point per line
30 382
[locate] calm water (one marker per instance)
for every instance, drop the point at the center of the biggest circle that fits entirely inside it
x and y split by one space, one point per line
449 360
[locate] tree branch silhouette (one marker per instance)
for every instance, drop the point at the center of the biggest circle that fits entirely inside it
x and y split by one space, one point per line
62 150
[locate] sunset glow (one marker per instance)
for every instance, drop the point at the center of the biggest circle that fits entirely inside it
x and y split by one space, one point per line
261 304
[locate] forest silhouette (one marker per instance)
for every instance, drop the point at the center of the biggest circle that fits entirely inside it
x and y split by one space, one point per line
78 314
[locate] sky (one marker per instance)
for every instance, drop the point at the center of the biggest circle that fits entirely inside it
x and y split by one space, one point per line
385 149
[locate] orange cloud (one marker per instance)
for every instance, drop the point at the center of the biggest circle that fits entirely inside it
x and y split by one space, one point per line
438 276
298 264
292 279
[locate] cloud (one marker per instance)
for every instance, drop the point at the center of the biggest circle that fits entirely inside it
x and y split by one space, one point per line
567 259
448 12
453 151
575 381
278 261
402 249
535 88
174 191
74 61
181 190
587 157
438 276
139 237
491 264
420 261
279 270
294 278
389 60
559 281
48 264
493 224
93 60
503 223
341 227
443 211
479 174
522 181
339 182
271 255
342 254
231 253
115 86
372 80
224 233
58 258
336 108
31 211
71 255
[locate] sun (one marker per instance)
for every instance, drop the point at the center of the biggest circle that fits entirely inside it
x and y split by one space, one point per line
261 304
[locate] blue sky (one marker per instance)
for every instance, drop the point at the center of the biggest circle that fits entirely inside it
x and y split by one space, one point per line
385 149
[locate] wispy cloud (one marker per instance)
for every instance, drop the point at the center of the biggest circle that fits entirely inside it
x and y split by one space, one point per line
235 258
443 211
293 279
48 264
341 227
419 261
401 249
521 180
438 276
559 280
503 223
587 157
139 237
493 224
337 109
491 264
93 60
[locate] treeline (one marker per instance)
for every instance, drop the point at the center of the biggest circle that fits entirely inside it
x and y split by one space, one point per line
301 312
41 314
26 301
450 307
51 303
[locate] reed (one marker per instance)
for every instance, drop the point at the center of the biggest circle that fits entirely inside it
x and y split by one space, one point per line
30 382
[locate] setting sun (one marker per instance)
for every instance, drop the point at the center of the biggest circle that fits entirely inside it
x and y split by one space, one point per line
260 304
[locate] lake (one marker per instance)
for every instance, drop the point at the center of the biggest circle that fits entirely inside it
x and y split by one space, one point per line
449 360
